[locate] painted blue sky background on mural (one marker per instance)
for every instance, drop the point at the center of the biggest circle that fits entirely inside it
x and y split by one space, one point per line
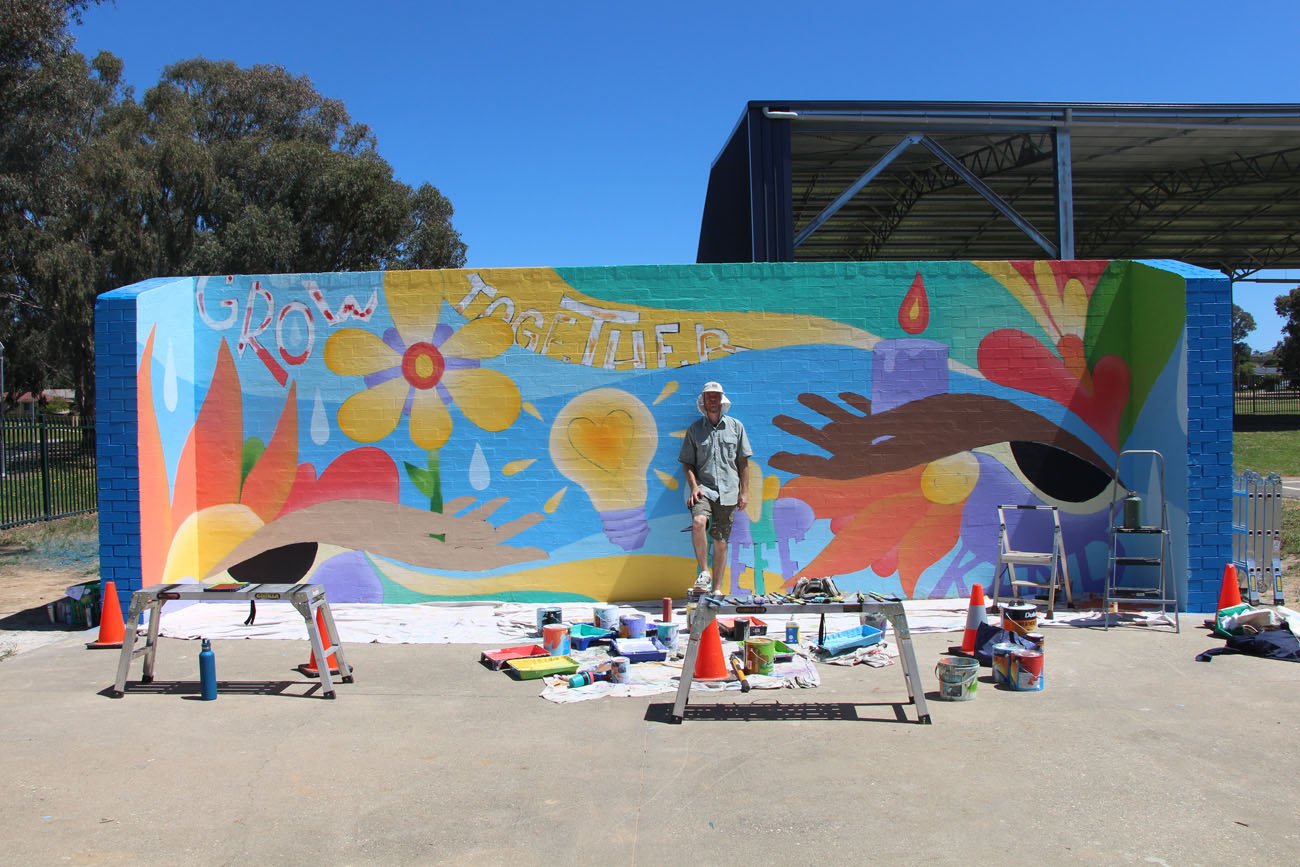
581 133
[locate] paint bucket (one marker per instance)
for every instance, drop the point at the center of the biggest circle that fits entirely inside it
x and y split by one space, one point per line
1003 654
1021 618
547 615
740 629
1027 668
555 639
605 617
618 669
1036 639
631 626
958 677
667 633
760 655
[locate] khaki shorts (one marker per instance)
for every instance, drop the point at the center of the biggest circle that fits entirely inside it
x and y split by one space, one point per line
720 515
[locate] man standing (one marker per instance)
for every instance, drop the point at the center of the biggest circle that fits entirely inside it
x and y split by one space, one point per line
714 455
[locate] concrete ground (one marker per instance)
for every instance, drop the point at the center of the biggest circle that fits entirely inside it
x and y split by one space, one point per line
1134 754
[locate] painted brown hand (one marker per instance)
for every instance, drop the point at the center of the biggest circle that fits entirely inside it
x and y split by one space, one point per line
470 541
918 432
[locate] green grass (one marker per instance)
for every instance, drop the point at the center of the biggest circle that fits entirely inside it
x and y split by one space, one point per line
1267 452
69 543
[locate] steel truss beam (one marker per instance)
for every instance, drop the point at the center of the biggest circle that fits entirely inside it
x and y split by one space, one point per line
1003 156
1203 181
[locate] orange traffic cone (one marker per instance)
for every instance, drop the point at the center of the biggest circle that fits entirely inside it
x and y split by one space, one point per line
975 615
711 664
112 630
1230 592
310 668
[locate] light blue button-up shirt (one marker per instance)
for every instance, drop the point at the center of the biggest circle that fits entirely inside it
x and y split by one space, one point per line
713 450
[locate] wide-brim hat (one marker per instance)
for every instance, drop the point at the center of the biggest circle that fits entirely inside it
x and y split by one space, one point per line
712 386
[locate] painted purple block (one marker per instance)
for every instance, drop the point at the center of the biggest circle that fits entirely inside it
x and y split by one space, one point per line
905 370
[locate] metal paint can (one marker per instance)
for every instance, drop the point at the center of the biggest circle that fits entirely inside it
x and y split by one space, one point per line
1036 639
631 626
760 654
618 666
1021 618
740 629
958 677
605 617
667 634
555 639
549 614
1027 666
1003 653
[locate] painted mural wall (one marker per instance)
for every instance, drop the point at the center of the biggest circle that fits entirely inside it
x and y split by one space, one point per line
513 433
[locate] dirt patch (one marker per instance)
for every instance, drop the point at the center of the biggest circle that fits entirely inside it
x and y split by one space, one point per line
37 565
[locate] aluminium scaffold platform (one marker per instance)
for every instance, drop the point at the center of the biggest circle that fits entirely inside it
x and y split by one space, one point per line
307 599
710 608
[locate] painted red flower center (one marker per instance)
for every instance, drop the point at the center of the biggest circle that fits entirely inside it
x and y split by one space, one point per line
422 365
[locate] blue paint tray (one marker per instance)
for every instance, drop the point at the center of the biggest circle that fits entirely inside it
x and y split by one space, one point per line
583 635
638 649
850 639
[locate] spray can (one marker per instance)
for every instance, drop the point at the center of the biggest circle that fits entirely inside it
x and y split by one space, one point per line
207 672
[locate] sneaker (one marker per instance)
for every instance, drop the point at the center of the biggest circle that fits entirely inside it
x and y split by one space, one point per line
704 581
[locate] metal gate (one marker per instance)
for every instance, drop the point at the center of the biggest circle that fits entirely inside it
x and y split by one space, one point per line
47 469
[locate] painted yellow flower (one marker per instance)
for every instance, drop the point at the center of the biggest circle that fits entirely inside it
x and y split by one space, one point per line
418 368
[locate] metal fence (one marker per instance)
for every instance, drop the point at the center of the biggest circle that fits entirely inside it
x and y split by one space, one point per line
1283 401
47 469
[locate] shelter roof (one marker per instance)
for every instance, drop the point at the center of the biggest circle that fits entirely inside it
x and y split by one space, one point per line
1213 185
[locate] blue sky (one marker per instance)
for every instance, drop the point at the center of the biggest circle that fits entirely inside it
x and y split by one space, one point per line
581 133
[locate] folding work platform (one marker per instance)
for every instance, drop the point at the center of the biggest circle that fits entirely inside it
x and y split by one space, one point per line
710 607
308 599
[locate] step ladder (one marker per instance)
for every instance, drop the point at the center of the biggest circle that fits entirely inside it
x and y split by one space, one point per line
1145 549
1053 561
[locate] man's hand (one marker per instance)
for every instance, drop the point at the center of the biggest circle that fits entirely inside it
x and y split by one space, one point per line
695 496
742 501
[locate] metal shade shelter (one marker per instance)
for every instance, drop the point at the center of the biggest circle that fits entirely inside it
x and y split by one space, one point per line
1212 185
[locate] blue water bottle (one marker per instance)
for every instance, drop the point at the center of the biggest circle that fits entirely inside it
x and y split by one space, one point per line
207 672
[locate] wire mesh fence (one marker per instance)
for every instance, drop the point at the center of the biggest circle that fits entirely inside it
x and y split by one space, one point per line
47 469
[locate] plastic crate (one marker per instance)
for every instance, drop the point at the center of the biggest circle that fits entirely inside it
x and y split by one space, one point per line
497 659
533 667
584 635
850 639
638 649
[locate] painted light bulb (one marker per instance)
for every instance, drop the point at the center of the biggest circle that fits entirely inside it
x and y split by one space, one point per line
603 440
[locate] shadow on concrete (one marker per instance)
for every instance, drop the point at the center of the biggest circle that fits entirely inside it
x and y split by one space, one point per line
1254 423
780 712
36 620
190 689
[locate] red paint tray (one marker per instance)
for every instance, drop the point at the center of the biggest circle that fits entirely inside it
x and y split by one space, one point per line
727 627
497 659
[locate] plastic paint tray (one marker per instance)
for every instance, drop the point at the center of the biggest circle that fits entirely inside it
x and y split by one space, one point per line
533 667
583 635
638 649
859 636
497 659
727 627
784 652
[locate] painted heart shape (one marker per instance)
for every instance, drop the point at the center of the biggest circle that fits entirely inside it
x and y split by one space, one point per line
605 442
1013 358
